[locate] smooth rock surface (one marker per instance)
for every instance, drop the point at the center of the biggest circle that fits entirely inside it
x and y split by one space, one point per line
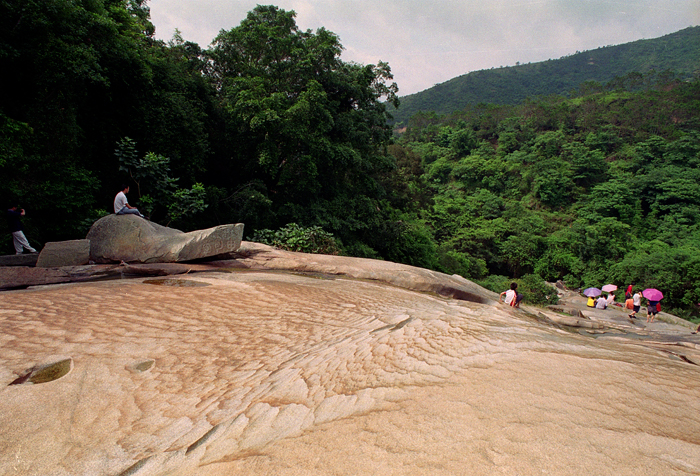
129 238
64 253
252 255
260 371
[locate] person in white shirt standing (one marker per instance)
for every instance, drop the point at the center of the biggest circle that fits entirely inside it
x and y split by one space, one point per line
121 204
636 304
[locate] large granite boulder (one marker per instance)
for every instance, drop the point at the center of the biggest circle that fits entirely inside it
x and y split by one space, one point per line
132 239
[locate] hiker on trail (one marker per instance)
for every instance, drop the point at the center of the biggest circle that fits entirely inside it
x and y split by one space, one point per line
651 310
14 213
636 303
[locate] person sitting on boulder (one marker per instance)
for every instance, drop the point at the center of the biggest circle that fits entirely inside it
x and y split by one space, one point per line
121 205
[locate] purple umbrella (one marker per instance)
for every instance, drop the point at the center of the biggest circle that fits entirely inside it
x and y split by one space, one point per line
592 292
609 288
653 294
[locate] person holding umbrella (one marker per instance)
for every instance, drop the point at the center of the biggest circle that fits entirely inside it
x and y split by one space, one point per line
609 288
591 293
610 299
651 311
653 296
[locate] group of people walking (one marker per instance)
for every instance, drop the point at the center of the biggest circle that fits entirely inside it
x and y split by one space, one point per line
633 301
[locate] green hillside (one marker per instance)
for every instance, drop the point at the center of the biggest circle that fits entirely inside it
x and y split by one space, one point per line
678 52
601 188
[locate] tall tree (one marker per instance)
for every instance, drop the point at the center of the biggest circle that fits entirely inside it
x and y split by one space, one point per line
78 76
310 127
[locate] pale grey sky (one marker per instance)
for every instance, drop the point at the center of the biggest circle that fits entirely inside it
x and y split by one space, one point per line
427 42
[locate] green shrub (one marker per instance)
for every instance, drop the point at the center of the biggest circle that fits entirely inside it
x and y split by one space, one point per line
537 291
293 237
454 262
496 283
533 287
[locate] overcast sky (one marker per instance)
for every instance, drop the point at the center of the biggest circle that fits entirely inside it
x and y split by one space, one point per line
427 42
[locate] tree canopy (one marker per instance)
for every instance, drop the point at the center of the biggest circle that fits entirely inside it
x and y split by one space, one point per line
598 189
268 127
303 128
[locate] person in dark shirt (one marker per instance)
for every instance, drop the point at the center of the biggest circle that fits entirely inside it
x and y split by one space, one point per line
15 223
651 310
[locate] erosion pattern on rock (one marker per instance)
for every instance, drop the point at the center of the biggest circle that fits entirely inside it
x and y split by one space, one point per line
129 238
197 375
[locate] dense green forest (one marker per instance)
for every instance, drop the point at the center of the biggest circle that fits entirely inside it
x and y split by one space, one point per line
599 189
270 128
648 61
267 127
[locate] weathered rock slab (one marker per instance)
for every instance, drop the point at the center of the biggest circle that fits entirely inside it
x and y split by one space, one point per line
64 253
258 256
15 277
23 276
132 239
28 259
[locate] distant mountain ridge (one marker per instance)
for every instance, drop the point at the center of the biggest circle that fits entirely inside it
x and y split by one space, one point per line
678 52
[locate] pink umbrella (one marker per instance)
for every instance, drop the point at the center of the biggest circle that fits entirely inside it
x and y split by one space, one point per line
653 294
609 288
